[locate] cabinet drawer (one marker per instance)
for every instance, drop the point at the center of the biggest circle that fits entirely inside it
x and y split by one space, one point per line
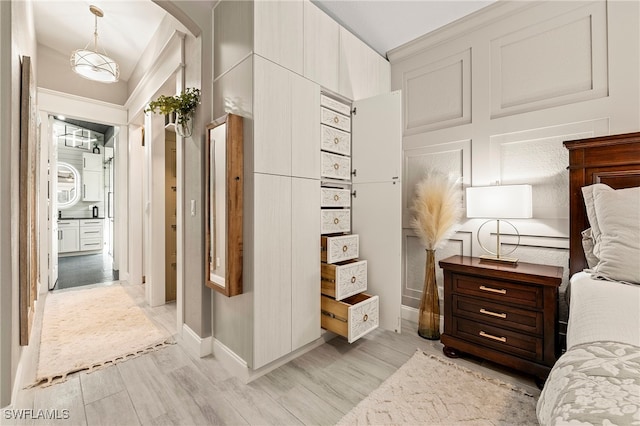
338 106
498 315
90 232
334 140
91 222
90 244
340 248
352 317
335 221
334 119
68 224
334 197
505 292
344 280
335 166
521 345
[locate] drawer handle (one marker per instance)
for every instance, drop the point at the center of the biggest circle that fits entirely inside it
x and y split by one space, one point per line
491 336
493 314
493 290
353 280
365 318
336 221
345 248
336 120
336 197
336 140
336 166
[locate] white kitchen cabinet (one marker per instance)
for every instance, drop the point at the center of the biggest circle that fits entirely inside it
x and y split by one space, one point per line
92 189
305 252
68 236
321 47
278 33
286 127
92 162
91 234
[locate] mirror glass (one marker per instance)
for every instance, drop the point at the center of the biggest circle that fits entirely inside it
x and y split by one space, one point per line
68 185
224 215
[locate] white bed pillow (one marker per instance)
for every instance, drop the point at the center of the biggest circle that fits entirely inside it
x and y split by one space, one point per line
587 246
618 245
587 195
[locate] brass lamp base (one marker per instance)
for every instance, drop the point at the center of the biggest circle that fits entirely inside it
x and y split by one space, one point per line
501 259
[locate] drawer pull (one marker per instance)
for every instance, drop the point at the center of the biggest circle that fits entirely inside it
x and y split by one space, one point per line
336 197
493 290
336 140
353 280
493 314
336 120
336 221
491 336
365 318
345 248
336 166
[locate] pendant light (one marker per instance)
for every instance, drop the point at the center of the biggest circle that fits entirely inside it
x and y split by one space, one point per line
91 64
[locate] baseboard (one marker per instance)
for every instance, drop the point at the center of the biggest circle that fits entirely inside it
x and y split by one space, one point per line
239 368
197 346
411 314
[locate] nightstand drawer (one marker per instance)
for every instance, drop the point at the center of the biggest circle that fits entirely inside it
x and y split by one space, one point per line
521 345
343 280
352 317
498 315
500 291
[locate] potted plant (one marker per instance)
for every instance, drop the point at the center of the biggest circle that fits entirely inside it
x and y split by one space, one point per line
183 105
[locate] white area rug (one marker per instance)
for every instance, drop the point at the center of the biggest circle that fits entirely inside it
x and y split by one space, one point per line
87 329
430 390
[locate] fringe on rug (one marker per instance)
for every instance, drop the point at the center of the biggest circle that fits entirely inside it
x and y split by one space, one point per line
478 374
53 380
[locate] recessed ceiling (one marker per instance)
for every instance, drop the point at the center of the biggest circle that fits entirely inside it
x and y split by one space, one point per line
387 24
124 32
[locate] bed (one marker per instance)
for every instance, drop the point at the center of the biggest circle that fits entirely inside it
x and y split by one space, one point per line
597 380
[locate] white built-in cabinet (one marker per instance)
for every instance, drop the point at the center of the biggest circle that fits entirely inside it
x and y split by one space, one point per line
278 33
92 177
68 236
321 47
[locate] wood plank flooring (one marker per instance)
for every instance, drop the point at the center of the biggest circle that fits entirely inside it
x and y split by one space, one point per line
169 387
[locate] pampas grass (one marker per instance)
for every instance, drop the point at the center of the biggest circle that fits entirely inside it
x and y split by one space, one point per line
437 208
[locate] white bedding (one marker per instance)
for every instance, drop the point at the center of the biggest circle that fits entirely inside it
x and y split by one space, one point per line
603 311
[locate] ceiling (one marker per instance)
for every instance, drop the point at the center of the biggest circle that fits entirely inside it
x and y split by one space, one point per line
128 25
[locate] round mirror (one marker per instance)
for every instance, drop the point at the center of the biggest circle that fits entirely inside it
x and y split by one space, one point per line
68 185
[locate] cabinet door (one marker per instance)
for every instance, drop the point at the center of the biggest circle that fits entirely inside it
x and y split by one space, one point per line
377 138
92 162
305 254
305 128
272 268
92 189
278 32
321 47
69 239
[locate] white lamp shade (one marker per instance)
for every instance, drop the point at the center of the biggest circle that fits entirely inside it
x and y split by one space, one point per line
94 66
499 202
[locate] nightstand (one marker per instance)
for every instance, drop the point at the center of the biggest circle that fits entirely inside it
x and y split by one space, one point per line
500 312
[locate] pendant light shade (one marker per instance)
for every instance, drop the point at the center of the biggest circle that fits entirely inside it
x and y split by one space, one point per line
92 64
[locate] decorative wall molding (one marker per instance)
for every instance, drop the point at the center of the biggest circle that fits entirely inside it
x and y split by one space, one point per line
531 70
438 94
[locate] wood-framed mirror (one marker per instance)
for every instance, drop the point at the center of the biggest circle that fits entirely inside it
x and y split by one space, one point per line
224 182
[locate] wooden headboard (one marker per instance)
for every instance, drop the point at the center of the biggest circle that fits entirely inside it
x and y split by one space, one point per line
613 160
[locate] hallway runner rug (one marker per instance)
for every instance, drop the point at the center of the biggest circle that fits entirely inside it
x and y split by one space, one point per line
87 329
431 390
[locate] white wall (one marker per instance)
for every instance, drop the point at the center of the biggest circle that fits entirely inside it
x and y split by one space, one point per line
493 96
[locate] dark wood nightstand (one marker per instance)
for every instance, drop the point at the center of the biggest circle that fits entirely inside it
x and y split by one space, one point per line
500 312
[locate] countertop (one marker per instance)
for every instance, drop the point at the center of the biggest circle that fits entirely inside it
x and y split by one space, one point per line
78 218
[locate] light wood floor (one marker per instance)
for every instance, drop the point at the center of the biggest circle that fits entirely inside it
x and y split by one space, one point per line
170 387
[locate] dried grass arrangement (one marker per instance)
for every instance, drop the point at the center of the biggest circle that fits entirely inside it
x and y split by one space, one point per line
438 209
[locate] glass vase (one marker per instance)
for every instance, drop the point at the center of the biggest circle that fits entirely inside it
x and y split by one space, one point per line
429 315
184 126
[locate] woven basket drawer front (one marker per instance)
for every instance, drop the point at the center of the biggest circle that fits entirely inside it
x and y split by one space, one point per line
335 197
326 101
344 280
335 166
334 140
335 221
352 317
334 119
340 248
